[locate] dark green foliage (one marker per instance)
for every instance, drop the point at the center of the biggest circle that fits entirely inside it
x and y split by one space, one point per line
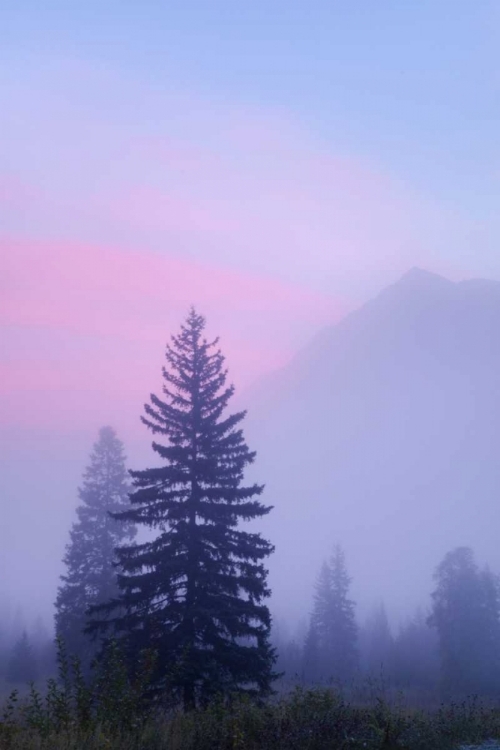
330 651
90 576
22 665
106 699
196 591
466 614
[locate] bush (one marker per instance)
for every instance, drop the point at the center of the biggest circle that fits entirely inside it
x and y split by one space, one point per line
115 712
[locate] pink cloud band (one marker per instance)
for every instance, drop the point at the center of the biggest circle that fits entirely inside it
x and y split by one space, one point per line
91 322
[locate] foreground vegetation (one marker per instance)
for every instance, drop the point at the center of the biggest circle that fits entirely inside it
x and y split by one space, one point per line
303 720
112 709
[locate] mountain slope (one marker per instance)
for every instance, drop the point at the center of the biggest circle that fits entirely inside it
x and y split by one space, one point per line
384 434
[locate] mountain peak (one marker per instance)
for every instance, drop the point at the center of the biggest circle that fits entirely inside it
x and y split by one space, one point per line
417 284
417 276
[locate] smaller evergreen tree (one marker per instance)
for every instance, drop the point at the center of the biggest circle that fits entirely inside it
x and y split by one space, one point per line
333 625
416 660
466 615
4 650
377 644
343 628
90 577
22 666
289 652
311 667
44 648
289 662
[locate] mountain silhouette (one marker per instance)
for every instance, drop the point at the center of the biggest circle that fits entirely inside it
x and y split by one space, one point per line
383 434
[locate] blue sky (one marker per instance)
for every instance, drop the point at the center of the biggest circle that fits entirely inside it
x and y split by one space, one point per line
411 88
402 80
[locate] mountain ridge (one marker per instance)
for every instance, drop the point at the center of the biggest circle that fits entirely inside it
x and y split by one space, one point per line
416 284
385 423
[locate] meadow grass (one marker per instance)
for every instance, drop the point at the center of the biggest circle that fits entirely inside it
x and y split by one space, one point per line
111 711
317 719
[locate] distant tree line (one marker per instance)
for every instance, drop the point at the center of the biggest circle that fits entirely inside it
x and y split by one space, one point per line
453 649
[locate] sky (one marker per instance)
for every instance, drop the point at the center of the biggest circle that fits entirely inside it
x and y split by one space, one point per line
274 163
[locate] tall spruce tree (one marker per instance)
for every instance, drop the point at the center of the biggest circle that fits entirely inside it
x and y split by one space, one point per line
333 620
195 593
90 576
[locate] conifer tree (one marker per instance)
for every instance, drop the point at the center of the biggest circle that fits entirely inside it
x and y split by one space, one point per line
344 631
333 620
90 576
416 658
323 606
378 644
196 591
22 666
311 656
466 615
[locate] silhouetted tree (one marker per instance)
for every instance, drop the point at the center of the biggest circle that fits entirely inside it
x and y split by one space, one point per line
377 644
312 666
289 661
44 648
90 577
416 662
333 620
3 648
22 665
195 592
344 631
466 614
316 663
289 650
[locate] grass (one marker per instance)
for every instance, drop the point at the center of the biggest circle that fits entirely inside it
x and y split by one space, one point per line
111 711
318 719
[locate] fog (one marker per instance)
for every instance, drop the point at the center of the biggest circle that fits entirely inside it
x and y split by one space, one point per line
334 235
380 435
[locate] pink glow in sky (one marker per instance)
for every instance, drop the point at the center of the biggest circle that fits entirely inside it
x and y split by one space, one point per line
88 324
115 222
275 168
